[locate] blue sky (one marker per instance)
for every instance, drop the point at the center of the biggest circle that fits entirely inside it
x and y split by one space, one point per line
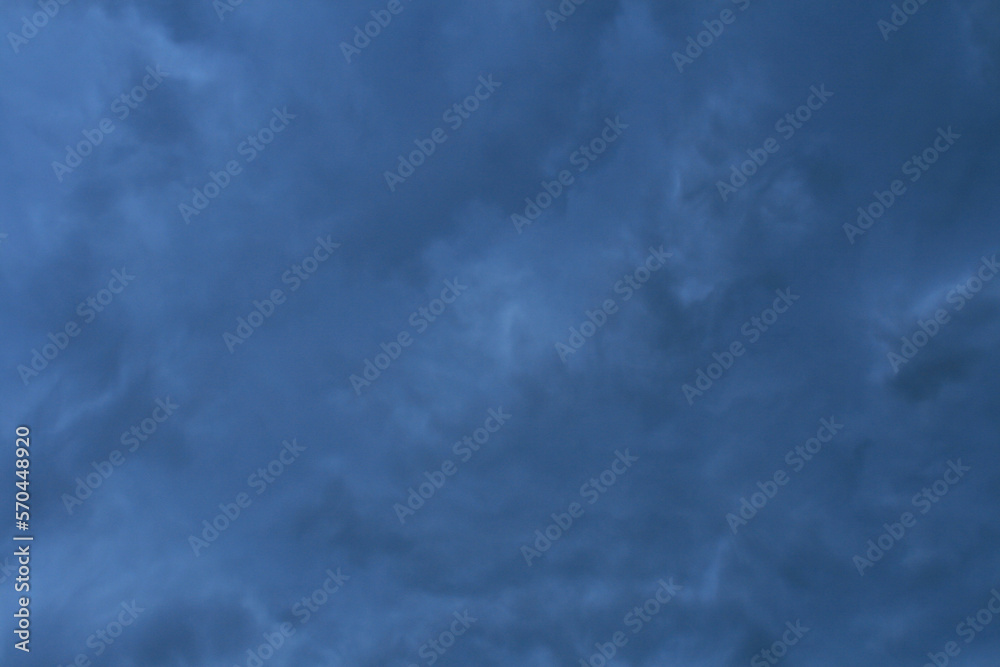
700 292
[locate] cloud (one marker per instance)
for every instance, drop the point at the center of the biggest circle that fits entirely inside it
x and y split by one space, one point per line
495 346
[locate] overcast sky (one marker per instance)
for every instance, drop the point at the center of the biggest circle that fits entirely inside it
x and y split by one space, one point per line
403 300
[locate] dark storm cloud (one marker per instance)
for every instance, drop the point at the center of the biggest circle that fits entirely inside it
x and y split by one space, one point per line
323 177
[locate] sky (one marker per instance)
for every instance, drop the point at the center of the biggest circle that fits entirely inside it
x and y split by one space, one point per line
393 333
